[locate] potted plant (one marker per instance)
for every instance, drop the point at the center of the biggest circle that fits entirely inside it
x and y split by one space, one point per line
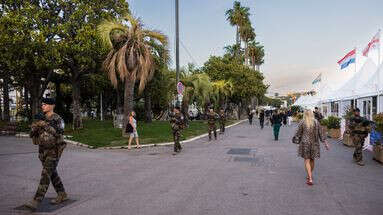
333 126
347 140
323 124
376 137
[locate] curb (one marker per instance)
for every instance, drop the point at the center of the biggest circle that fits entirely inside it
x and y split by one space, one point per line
170 143
141 146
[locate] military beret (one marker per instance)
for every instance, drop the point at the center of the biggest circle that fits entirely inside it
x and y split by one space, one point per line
48 101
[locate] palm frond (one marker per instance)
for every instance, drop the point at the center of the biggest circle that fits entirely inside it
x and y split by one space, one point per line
106 28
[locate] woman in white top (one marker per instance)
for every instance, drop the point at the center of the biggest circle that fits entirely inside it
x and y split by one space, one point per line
134 134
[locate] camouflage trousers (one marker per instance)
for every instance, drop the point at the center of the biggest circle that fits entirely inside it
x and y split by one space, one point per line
212 128
176 137
358 141
49 159
222 127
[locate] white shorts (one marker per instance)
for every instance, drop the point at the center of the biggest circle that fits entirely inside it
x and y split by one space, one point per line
134 134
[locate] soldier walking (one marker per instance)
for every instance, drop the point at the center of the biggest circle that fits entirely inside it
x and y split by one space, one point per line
177 121
222 121
211 120
360 127
47 132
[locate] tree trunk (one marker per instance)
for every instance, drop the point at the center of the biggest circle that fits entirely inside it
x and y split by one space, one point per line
128 101
76 93
148 106
237 37
26 103
6 114
35 96
119 103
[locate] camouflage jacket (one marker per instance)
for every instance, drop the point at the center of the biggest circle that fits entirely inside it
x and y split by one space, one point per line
212 118
48 133
359 126
222 117
177 121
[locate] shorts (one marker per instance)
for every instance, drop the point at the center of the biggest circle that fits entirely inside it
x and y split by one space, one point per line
134 134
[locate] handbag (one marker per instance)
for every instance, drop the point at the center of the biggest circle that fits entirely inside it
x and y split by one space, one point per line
129 128
296 140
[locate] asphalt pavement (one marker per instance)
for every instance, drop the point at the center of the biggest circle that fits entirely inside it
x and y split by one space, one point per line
244 172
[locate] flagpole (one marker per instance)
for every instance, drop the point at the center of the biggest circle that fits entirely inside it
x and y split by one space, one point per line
378 97
353 91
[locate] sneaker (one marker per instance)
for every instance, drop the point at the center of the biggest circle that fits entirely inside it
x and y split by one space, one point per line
360 163
33 204
61 197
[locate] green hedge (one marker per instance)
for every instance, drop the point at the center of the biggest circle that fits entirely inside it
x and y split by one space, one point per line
333 122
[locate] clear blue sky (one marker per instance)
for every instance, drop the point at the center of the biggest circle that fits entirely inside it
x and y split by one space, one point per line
302 38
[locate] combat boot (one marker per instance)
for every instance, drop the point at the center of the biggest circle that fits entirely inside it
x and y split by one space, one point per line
33 204
360 163
61 197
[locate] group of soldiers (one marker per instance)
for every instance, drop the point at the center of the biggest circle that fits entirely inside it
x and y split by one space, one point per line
178 123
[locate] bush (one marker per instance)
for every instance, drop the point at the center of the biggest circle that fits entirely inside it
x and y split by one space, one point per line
333 122
378 119
324 122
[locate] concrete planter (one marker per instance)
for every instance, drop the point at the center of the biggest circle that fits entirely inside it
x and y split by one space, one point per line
347 140
334 133
378 153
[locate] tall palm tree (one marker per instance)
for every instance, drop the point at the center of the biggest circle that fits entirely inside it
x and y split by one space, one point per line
238 16
247 34
256 54
131 55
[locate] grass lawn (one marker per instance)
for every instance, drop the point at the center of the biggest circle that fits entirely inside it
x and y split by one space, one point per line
102 133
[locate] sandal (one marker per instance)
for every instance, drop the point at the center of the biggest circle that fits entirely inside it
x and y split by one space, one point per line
310 183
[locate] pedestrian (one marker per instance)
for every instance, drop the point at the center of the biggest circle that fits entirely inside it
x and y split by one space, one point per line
318 115
284 118
133 134
308 136
222 121
359 127
250 115
267 115
261 118
211 120
47 132
177 121
276 122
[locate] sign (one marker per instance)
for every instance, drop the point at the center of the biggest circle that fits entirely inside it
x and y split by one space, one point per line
180 88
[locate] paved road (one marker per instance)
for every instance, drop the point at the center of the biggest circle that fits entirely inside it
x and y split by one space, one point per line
268 178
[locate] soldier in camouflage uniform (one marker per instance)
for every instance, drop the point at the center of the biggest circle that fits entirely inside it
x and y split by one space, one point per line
47 132
177 121
222 120
211 121
360 127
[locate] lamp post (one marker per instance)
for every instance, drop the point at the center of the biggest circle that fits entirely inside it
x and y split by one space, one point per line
177 48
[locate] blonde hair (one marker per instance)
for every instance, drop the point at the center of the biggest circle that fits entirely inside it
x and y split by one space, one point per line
308 118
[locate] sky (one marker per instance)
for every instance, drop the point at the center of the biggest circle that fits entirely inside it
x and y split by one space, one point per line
301 38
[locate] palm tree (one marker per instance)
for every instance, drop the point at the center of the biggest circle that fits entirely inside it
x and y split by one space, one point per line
247 34
130 56
238 16
234 52
256 54
222 90
198 89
